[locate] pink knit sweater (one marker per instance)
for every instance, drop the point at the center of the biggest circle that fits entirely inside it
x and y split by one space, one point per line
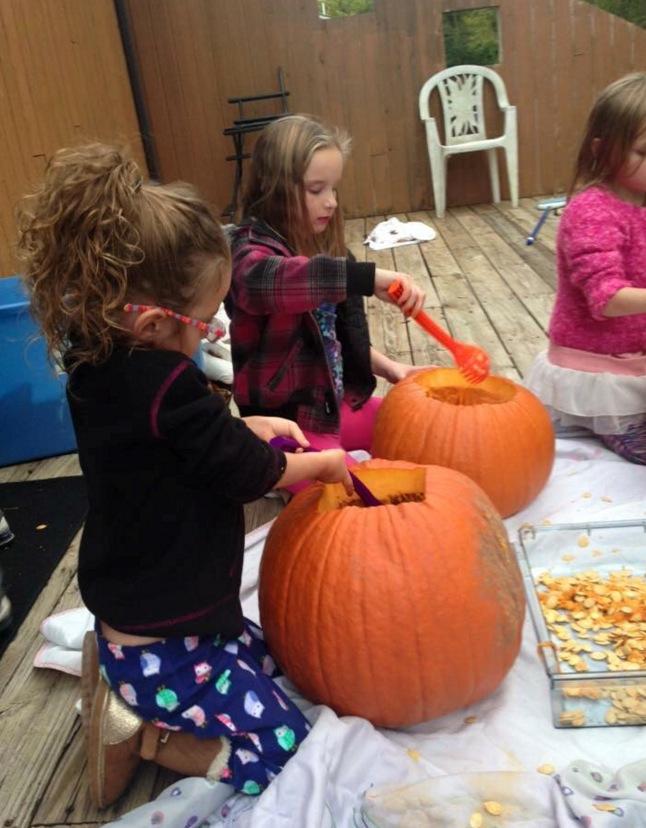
601 248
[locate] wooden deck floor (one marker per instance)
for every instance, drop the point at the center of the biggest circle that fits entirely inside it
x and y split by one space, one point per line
483 284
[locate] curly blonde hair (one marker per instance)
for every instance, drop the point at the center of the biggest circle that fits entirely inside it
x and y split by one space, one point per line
94 234
275 190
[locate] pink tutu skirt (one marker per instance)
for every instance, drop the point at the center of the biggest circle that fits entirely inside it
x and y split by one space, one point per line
602 393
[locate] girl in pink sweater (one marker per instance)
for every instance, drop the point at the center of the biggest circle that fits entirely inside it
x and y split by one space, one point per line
593 375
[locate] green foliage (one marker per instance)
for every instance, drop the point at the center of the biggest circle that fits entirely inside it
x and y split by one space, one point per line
471 37
344 8
634 11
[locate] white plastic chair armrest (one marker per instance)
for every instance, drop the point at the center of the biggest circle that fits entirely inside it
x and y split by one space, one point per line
432 133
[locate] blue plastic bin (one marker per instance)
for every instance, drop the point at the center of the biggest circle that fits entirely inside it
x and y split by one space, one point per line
34 416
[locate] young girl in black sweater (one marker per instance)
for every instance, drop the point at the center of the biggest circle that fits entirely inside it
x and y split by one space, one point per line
125 277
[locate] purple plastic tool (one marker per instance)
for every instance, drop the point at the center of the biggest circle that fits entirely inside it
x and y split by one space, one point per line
290 445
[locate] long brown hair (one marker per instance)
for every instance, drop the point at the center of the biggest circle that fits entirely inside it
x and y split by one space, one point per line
275 192
95 234
617 119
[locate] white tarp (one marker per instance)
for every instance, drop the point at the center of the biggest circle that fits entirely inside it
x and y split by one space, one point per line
347 773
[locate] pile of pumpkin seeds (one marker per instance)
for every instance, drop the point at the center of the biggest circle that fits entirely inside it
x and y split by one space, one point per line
601 619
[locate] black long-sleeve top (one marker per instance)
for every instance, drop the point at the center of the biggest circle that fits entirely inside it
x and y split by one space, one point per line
167 470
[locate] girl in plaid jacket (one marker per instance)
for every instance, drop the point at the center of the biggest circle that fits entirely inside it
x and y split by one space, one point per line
299 334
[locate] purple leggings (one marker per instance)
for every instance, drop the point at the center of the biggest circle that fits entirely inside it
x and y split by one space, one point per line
631 445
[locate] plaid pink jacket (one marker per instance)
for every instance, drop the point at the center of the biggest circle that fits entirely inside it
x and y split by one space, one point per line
277 349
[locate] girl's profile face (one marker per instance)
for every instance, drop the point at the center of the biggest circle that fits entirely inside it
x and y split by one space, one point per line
630 182
320 182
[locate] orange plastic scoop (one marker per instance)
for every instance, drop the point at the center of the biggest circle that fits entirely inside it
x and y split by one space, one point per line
472 361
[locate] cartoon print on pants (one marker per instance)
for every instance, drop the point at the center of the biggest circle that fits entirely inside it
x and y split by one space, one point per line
222 683
252 704
195 714
150 664
167 698
285 737
164 726
280 700
226 720
116 651
245 638
246 667
128 693
191 642
246 756
203 672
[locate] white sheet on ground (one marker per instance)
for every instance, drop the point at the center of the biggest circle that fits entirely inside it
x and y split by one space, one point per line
343 759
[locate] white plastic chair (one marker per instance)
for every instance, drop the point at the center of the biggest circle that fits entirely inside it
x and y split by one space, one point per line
460 89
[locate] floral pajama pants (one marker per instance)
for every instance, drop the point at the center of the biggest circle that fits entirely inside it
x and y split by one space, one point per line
212 688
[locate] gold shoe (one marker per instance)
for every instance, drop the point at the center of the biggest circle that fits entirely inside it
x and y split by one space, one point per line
117 739
113 742
89 676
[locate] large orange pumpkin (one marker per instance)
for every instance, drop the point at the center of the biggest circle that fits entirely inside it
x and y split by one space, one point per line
497 432
398 613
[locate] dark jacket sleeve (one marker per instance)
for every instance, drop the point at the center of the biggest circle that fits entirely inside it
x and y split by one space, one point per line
354 336
218 451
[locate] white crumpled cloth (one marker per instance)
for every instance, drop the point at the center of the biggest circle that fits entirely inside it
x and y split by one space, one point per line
394 233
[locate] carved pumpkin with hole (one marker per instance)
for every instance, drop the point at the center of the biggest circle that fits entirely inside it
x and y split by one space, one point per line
400 612
497 432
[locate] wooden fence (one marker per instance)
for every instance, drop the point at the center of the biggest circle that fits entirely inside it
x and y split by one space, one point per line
63 80
365 73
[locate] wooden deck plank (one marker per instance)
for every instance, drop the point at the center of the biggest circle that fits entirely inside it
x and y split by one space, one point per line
483 284
525 217
355 233
537 256
502 288
467 317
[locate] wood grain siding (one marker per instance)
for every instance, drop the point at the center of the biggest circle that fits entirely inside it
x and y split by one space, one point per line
364 73
63 80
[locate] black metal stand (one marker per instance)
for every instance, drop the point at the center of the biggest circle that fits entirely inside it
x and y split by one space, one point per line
243 126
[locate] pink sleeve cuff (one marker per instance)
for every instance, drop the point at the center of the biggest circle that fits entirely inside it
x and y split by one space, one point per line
602 294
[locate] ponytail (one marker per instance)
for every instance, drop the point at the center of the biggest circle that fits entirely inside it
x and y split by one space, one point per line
94 233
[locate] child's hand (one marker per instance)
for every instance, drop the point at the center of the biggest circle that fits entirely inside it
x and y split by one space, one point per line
328 466
390 369
333 469
412 298
268 427
400 370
